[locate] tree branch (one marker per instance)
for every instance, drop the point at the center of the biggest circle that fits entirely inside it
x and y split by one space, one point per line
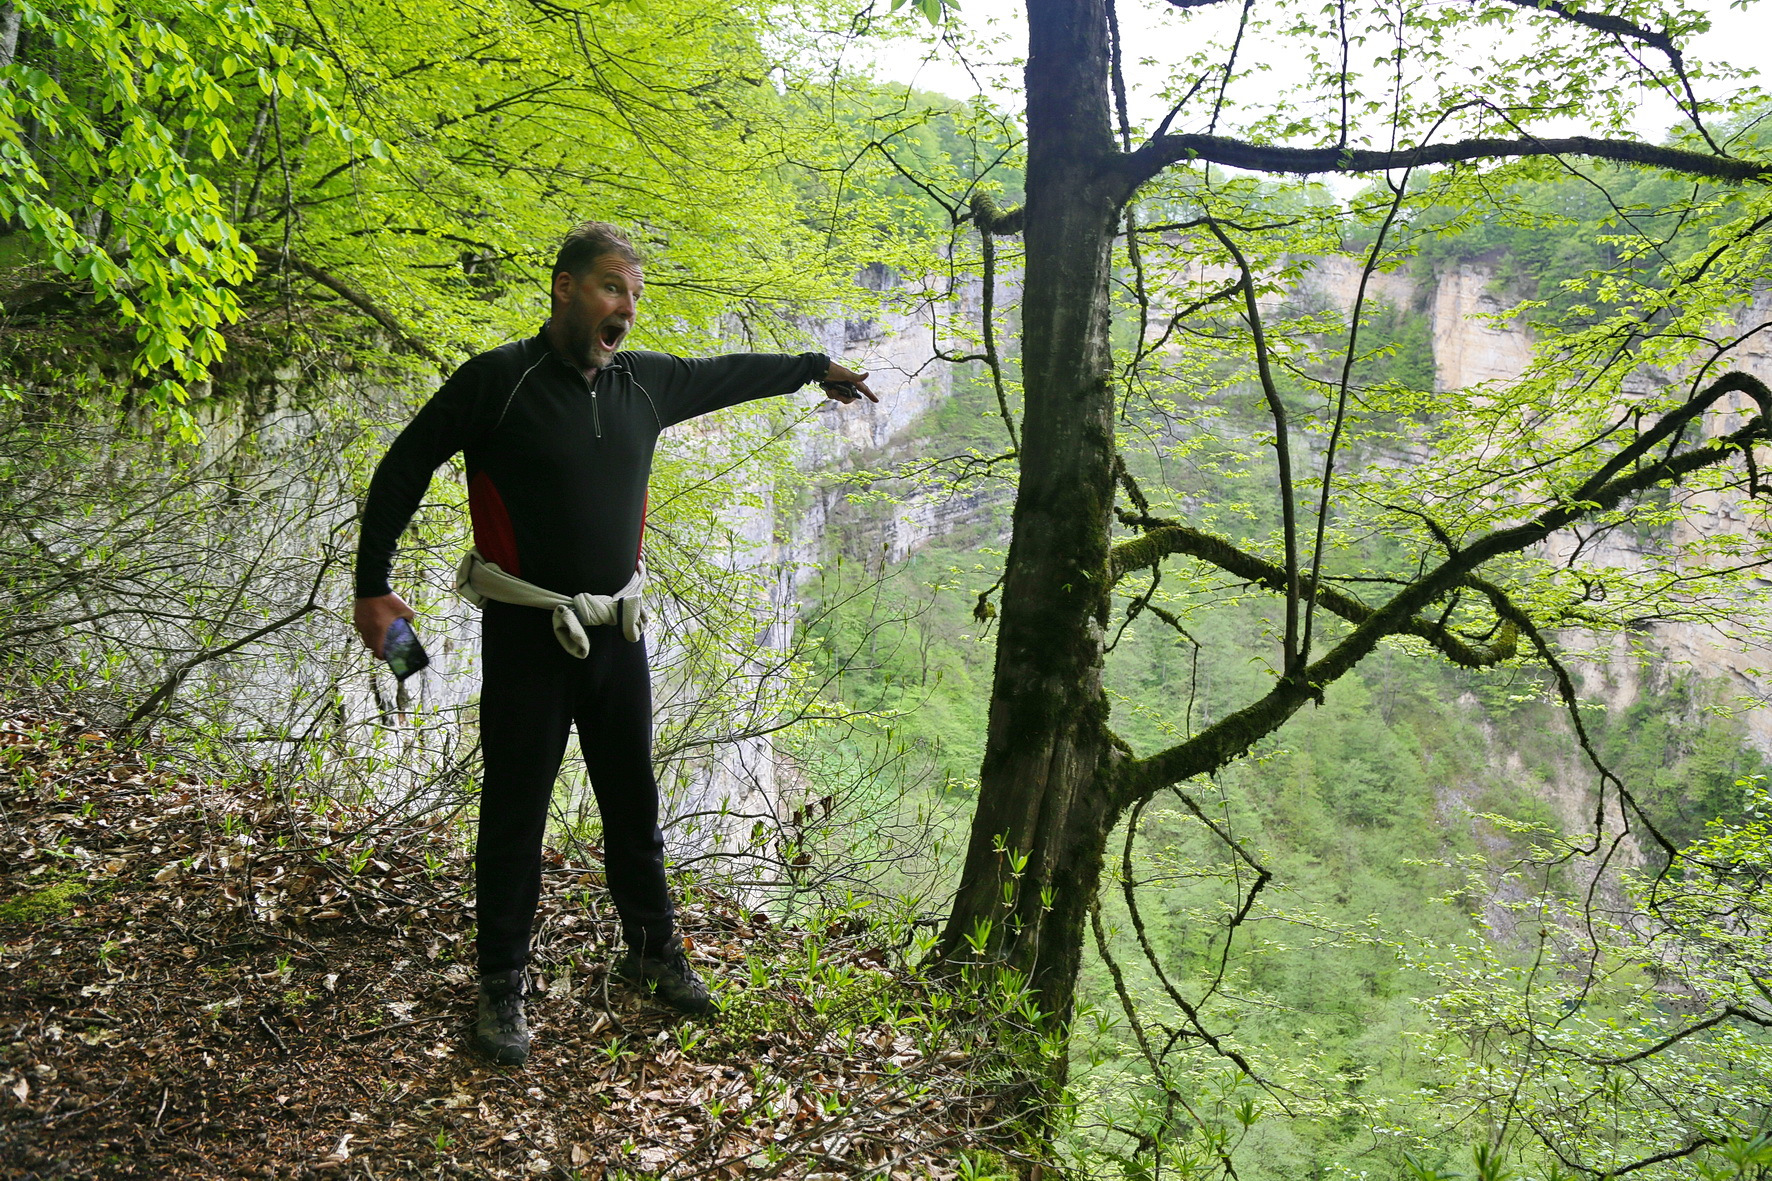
1276 406
1233 735
354 297
1154 546
993 218
1602 23
1158 153
988 315
171 684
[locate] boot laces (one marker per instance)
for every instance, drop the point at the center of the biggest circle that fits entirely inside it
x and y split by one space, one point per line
508 1012
507 1008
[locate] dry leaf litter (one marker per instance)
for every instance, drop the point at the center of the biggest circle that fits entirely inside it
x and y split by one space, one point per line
209 982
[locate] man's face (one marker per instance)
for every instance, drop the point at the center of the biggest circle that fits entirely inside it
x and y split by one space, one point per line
595 310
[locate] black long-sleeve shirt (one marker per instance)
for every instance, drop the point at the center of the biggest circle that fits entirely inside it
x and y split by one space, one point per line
557 463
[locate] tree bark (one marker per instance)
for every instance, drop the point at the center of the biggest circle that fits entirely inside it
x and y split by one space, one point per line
1048 748
9 25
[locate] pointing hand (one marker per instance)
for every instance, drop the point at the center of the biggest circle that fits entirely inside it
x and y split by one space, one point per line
846 385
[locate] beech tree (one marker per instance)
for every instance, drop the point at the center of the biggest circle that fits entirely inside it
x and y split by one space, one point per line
192 166
1110 209
226 207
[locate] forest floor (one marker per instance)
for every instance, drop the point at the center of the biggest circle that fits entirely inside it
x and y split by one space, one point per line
204 981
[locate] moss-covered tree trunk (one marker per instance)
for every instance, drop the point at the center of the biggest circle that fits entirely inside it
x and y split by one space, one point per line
1048 751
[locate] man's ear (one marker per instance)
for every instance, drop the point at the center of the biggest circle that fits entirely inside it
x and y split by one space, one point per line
562 286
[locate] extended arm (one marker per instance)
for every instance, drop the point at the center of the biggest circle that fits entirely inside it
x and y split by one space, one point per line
687 388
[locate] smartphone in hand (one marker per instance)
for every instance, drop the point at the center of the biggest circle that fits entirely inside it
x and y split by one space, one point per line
401 649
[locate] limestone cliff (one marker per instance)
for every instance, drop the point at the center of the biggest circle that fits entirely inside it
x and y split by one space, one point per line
1474 342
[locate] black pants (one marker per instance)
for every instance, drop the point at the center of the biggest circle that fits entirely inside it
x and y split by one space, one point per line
533 691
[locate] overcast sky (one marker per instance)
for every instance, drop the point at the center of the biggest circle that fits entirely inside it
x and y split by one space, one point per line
1152 30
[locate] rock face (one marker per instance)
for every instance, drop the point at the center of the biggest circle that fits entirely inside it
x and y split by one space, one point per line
1475 342
741 795
746 782
1472 344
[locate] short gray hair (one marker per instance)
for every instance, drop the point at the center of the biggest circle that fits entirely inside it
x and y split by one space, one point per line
586 243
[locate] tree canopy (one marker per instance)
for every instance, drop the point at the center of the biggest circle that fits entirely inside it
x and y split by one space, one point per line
187 165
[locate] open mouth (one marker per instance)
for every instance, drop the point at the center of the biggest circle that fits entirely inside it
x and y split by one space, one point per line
610 335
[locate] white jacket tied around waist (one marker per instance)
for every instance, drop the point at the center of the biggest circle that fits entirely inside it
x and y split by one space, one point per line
477 580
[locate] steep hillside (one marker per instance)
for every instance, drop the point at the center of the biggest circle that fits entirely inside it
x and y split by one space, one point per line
209 979
1409 821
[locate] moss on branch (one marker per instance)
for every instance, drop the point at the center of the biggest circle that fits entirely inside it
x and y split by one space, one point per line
1154 546
993 218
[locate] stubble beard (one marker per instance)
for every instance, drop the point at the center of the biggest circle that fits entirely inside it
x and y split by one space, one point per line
581 345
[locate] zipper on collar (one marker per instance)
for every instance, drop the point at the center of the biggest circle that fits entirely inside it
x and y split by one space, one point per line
596 419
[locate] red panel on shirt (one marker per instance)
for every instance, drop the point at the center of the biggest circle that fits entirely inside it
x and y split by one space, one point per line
645 507
492 524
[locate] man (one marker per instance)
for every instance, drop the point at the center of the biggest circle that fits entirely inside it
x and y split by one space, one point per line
559 432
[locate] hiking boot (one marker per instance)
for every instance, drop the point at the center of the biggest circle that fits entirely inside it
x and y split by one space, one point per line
500 1033
667 976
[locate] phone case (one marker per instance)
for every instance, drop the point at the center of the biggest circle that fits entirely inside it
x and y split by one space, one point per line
404 654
